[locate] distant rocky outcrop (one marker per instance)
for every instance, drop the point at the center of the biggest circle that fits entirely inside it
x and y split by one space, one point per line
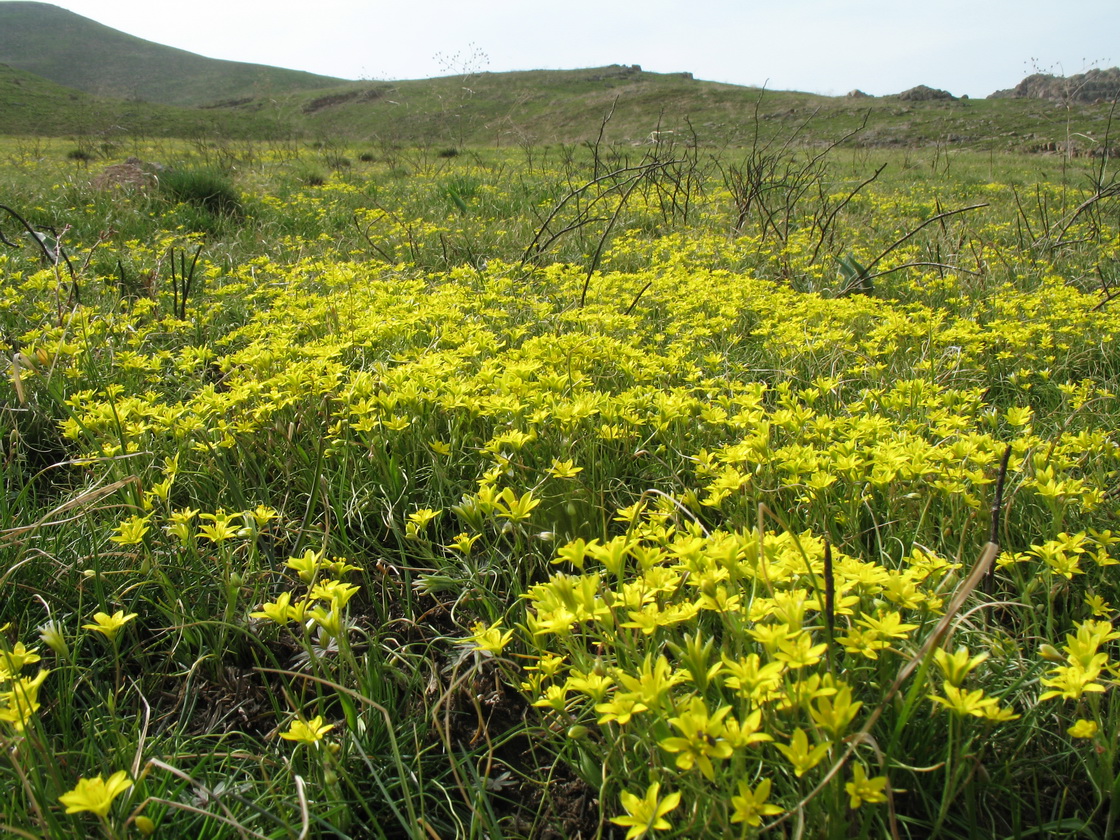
922 93
858 94
1092 86
616 71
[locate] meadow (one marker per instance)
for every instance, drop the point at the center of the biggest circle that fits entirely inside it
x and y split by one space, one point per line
571 491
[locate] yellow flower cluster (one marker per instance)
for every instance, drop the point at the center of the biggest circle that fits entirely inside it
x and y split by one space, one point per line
757 634
758 493
1085 663
19 694
323 606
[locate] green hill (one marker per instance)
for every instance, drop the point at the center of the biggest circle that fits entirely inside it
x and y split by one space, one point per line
72 76
570 106
32 105
77 52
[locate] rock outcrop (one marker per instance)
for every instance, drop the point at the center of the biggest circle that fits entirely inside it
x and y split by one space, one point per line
922 93
1090 87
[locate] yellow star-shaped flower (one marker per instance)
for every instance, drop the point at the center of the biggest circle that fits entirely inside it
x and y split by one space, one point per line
96 794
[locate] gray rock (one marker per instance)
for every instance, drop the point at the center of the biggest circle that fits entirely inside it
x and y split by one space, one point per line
922 93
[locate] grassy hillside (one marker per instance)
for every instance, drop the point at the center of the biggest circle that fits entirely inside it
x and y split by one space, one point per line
569 106
84 60
33 106
547 107
80 53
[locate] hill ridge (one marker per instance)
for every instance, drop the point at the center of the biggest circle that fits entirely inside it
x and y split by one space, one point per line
78 52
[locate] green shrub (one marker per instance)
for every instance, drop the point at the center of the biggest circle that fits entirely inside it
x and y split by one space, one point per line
208 189
309 175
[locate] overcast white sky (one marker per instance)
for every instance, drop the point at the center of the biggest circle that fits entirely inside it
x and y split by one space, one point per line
969 47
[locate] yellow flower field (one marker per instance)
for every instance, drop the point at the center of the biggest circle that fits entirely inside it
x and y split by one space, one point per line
503 497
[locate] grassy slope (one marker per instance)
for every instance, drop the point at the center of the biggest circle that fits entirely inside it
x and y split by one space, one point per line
31 105
553 107
544 107
529 107
80 53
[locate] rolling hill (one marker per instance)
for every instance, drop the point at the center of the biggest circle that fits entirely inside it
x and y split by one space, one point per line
80 53
32 105
68 75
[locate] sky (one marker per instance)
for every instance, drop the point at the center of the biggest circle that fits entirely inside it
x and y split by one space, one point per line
968 47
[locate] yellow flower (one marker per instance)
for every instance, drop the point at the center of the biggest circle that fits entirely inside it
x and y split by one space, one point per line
12 661
418 521
179 526
463 543
489 640
554 697
834 715
330 620
862 789
96 794
279 611
340 566
800 754
335 591
1083 729
592 684
563 469
751 806
1098 605
653 680
306 566
514 508
21 700
998 714
799 652
964 703
956 666
646 813
131 531
109 625
701 738
621 708
752 680
1071 681
222 528
889 625
261 515
307 732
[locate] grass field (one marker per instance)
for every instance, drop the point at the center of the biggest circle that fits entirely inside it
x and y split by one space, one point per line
570 491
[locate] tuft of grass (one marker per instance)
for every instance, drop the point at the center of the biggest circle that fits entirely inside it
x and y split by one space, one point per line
206 188
310 175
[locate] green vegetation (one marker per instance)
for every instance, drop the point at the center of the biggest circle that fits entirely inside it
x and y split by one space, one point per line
32 107
104 88
613 490
537 108
207 188
76 52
